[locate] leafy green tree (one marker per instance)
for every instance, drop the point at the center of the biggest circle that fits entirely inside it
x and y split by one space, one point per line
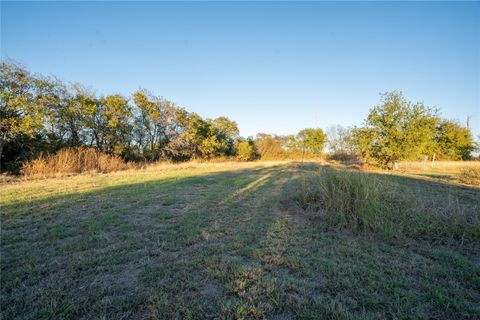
116 116
71 116
82 118
396 130
55 98
312 140
156 124
146 122
21 110
246 150
226 131
454 141
196 130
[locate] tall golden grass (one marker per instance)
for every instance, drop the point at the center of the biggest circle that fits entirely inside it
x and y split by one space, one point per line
73 161
440 166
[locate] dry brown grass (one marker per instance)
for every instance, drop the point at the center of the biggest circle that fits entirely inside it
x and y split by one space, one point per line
7 178
73 161
469 176
441 167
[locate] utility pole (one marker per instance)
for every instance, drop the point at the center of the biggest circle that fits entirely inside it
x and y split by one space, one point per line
468 122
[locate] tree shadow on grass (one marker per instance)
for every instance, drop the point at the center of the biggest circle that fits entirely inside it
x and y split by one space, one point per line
61 252
211 245
445 177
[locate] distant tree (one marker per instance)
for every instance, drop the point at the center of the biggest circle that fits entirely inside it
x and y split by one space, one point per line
146 122
155 124
174 147
246 150
396 130
40 114
226 131
199 138
272 146
21 108
116 114
227 127
57 99
312 140
82 118
339 139
454 141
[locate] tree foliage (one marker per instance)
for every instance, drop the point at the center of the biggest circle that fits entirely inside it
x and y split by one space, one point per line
41 115
312 140
453 141
398 129
246 150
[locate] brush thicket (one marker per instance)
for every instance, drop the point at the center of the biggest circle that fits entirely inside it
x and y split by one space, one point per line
73 161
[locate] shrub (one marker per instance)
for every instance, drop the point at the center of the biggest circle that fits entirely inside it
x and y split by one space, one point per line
343 157
368 202
246 151
469 176
73 161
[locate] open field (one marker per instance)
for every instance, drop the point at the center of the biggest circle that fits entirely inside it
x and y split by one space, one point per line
443 170
198 241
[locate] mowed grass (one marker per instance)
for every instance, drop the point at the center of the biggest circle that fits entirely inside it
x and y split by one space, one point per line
221 241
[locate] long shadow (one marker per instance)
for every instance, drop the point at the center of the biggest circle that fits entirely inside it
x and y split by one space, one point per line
11 210
185 229
68 236
435 176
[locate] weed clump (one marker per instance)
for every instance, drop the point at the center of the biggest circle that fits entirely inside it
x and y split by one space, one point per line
73 161
370 203
469 176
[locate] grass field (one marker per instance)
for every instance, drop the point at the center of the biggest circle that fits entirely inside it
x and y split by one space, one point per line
198 241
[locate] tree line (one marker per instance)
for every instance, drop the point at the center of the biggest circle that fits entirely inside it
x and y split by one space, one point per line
41 115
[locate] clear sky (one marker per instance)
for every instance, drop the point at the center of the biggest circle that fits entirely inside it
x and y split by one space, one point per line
272 67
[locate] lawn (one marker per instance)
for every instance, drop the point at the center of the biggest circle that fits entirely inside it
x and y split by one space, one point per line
200 241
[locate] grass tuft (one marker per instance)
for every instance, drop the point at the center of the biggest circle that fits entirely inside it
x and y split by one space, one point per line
373 203
346 198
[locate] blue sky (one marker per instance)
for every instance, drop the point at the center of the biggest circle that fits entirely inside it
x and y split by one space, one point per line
272 67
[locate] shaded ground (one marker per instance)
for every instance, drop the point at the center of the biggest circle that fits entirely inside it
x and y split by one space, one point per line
217 242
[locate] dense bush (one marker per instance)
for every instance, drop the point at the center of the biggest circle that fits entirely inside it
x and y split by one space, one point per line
246 151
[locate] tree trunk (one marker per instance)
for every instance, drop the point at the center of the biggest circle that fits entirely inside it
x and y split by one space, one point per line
2 143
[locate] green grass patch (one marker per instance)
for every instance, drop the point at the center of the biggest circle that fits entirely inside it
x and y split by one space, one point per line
371 202
217 242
